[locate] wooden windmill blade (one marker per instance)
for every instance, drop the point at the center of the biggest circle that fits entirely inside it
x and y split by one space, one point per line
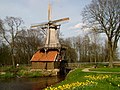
60 20
39 24
49 11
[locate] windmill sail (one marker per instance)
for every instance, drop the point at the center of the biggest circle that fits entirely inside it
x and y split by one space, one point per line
60 20
49 12
39 24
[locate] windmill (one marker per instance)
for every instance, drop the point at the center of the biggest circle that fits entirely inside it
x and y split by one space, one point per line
50 55
51 30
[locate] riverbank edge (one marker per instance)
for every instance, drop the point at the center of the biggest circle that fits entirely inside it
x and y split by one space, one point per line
26 72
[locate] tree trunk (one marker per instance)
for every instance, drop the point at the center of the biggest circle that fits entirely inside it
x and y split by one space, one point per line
12 52
110 54
13 59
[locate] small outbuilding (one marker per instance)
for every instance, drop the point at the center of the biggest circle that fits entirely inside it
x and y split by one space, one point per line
45 60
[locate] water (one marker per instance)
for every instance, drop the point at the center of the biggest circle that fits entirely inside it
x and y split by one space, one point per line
29 83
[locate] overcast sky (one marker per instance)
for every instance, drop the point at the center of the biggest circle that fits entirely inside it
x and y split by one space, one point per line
35 11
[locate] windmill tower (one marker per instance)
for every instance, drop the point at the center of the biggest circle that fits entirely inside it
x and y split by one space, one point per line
52 44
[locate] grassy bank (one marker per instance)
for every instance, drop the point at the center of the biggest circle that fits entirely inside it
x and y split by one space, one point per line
23 71
78 80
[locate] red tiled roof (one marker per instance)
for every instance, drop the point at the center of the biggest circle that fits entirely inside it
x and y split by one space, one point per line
42 56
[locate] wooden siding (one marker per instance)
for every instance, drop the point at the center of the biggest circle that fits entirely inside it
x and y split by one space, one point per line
38 65
50 65
42 65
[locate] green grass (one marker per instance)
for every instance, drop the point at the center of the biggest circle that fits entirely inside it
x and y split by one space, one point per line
25 73
7 75
22 71
105 69
100 81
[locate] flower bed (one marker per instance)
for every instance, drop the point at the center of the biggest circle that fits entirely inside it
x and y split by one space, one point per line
78 80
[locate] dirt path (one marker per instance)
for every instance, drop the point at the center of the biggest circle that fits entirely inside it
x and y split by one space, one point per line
87 70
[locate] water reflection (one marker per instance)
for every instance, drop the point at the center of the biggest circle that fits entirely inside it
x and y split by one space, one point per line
29 83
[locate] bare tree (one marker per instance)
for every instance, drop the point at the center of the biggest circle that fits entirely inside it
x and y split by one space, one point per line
95 41
83 48
26 43
79 47
105 15
71 54
1 25
10 29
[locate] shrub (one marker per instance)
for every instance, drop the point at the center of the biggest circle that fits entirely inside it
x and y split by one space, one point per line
7 75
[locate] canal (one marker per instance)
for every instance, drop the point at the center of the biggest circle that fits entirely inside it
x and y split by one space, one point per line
29 83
